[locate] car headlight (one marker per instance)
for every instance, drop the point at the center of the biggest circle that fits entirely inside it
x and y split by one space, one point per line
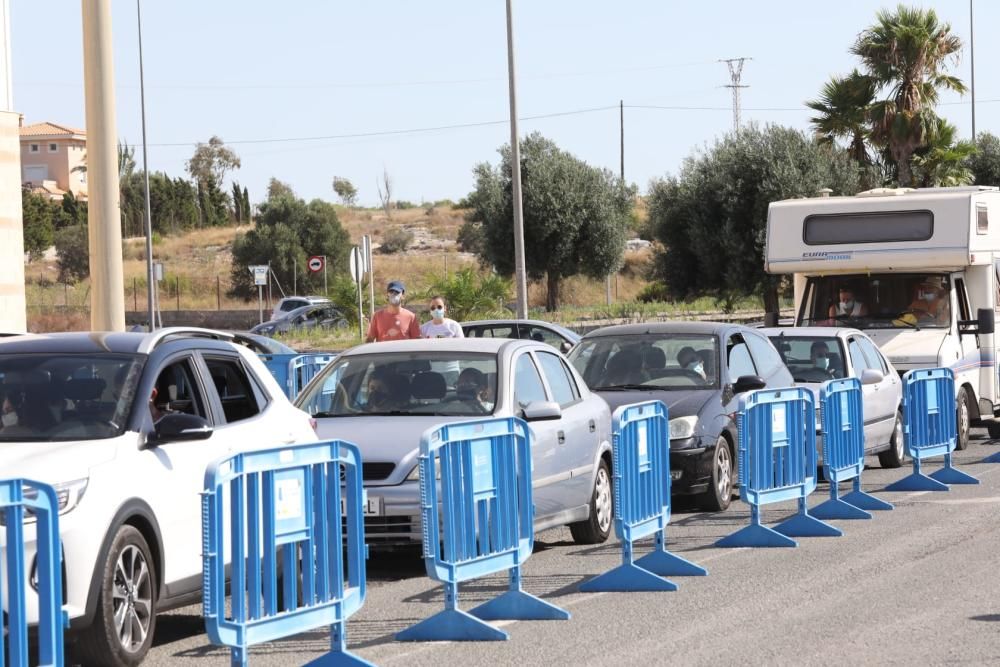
682 427
414 475
68 495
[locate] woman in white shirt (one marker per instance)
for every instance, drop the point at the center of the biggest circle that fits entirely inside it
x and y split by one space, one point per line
440 326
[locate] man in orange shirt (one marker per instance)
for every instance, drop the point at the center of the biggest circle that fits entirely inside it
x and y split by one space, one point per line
393 322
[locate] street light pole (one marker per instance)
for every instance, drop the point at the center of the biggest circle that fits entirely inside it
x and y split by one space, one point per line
521 283
972 61
150 276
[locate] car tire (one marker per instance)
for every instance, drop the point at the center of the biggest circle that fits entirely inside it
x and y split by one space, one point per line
597 527
720 491
994 430
128 589
962 419
894 456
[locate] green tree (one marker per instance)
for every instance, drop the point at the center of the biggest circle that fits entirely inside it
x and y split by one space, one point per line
712 217
472 295
213 204
575 215
288 230
985 162
276 188
842 110
246 205
37 216
345 190
73 211
238 212
905 54
943 162
73 253
212 161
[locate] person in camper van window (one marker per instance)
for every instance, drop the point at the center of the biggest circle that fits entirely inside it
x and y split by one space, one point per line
930 303
847 306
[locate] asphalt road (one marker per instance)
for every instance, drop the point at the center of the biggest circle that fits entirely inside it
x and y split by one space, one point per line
916 585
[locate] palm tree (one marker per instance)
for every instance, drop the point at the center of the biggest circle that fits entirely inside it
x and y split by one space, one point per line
945 160
906 52
843 112
126 162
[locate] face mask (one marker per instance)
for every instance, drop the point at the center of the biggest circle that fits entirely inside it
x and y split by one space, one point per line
437 313
9 419
928 296
848 304
822 363
394 299
696 366
378 397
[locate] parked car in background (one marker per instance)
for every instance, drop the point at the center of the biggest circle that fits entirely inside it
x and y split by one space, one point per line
817 354
558 337
323 316
290 303
261 344
698 370
110 420
384 396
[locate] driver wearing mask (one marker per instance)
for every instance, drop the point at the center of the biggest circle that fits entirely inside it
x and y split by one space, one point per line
689 360
819 353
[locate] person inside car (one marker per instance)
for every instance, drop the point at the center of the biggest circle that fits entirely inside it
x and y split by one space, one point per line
690 360
847 306
387 391
473 386
930 303
819 356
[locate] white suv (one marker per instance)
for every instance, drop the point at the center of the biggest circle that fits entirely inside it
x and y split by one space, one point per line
290 303
123 425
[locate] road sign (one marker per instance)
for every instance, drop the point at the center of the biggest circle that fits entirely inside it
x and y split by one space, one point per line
259 274
315 263
357 264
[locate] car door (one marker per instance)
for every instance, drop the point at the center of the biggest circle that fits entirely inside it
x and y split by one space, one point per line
767 361
546 467
172 474
886 397
870 398
576 440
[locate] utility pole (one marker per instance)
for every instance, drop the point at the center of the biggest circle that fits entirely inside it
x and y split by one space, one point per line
521 282
621 127
972 62
150 276
735 66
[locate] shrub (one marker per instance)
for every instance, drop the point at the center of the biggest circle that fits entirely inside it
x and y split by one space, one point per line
396 240
73 251
654 293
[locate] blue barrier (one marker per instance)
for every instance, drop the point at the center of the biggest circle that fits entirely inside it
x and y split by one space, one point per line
930 429
641 451
484 524
19 497
294 371
777 462
843 420
285 509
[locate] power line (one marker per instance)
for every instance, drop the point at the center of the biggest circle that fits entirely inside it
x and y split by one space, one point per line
735 66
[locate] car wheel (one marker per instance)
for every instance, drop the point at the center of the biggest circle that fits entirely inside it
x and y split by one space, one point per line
597 527
962 441
893 457
123 626
720 492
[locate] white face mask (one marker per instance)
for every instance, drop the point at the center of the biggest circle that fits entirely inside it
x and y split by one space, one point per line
437 313
822 363
928 296
9 419
848 305
395 299
696 366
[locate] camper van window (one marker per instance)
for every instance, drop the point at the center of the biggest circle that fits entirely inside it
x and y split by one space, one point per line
880 301
982 219
891 226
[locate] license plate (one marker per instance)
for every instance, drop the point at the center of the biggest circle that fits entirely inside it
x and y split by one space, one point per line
370 506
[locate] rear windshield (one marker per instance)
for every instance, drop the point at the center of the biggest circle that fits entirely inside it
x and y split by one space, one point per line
422 383
66 397
655 361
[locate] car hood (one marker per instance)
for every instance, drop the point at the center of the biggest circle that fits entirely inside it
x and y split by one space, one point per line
56 462
909 348
384 439
680 403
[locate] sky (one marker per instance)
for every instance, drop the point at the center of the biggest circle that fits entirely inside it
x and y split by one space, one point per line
307 90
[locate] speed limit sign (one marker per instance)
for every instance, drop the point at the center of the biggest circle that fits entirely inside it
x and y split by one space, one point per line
316 263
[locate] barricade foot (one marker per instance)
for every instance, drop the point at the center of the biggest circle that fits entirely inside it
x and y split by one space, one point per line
953 476
917 482
626 578
667 564
993 458
756 535
451 625
803 525
865 501
838 509
336 658
519 606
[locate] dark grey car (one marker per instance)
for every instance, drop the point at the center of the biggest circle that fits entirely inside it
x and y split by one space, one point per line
698 370
322 315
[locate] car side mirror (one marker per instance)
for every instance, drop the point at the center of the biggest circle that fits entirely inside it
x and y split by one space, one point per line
541 411
871 376
747 383
181 427
565 347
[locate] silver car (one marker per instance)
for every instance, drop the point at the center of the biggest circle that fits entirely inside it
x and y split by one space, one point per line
384 396
817 354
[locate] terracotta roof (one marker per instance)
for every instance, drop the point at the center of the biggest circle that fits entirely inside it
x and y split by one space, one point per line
50 129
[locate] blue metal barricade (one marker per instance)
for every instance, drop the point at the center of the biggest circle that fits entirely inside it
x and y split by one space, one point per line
843 423
930 428
287 511
777 462
641 457
294 371
478 519
18 498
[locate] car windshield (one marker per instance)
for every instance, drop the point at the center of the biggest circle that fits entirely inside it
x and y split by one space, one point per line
880 301
812 358
410 383
655 361
66 397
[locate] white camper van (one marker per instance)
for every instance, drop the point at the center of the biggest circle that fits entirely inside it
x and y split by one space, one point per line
917 270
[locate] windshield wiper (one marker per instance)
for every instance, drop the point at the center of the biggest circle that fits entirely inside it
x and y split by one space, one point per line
624 387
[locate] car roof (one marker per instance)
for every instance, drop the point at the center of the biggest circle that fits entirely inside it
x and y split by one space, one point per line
671 327
305 298
114 342
540 323
310 307
482 345
830 332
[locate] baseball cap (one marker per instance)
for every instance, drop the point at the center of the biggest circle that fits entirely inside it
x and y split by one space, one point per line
395 286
